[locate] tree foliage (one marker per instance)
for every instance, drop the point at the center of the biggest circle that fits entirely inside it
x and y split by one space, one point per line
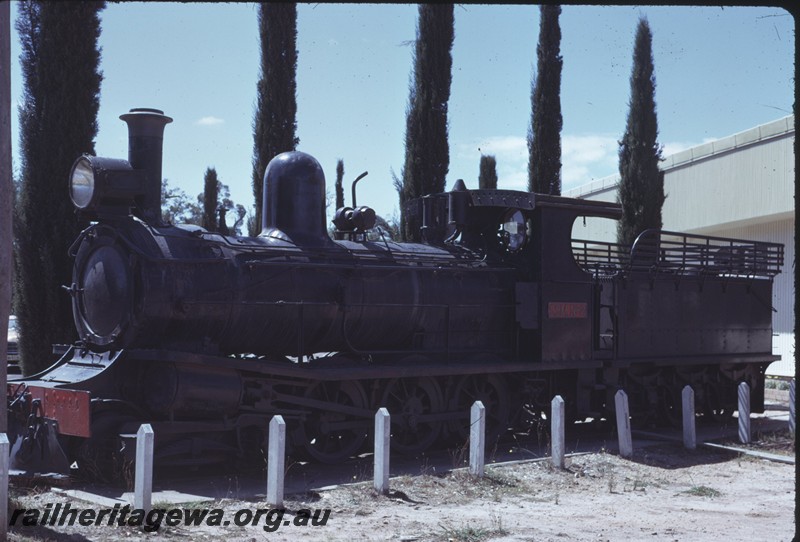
210 199
231 208
339 184
275 121
487 178
427 155
544 135
58 122
641 186
177 207
390 229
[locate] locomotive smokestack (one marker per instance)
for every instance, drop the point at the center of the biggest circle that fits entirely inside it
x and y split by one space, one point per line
145 140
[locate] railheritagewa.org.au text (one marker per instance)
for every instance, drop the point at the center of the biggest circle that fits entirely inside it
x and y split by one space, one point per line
269 519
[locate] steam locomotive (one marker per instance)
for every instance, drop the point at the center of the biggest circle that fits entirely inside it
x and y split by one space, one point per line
207 336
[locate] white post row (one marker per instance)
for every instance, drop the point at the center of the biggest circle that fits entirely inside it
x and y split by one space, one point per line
744 413
477 439
623 424
791 407
4 463
557 431
383 431
143 488
276 460
689 429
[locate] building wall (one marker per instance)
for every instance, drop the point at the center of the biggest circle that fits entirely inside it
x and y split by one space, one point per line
741 186
727 182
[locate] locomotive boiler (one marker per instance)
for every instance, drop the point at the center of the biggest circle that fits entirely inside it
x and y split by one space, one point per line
206 336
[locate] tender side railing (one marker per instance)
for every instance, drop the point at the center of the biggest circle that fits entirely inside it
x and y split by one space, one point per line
681 253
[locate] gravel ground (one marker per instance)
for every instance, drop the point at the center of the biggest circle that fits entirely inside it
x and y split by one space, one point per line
662 493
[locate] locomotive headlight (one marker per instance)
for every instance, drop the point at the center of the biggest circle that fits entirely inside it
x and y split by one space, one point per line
104 186
81 183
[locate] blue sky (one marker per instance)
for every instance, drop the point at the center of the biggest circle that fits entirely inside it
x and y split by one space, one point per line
718 71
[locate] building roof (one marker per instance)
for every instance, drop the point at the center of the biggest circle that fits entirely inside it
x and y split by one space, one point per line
783 127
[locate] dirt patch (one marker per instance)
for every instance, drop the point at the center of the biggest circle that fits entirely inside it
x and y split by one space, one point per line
662 493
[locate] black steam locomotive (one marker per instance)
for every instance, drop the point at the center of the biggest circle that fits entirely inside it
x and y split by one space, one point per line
207 336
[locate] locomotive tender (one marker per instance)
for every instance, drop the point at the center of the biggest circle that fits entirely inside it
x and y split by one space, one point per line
206 336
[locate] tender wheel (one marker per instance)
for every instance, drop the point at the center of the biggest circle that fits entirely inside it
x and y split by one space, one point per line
671 406
714 407
329 435
409 402
493 392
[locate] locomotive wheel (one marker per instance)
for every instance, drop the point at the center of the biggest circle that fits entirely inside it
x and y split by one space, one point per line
409 401
493 392
328 436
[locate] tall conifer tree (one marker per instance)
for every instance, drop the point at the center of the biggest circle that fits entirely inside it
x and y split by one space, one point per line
339 184
7 191
210 199
275 121
58 122
427 153
487 178
641 186
544 135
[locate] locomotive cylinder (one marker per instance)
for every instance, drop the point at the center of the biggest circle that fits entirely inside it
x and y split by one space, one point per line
187 391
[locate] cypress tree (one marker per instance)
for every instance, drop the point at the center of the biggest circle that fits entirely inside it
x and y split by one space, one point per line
427 157
544 135
641 186
210 199
487 178
7 191
339 186
275 121
58 123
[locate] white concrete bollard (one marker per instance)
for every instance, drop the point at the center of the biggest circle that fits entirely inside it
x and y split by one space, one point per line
477 438
689 429
4 462
623 424
143 488
276 461
791 407
383 432
557 431
744 413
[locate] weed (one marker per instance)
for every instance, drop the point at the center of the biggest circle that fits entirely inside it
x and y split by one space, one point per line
468 533
702 491
499 478
362 473
459 455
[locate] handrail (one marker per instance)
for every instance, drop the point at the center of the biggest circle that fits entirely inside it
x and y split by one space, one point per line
681 253
675 251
